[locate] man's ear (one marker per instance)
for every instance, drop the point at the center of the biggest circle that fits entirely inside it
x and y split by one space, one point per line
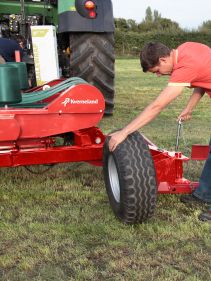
163 59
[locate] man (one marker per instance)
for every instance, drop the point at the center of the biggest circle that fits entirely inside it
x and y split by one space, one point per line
188 66
7 50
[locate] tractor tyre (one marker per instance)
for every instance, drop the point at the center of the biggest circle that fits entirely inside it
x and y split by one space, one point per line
92 58
130 179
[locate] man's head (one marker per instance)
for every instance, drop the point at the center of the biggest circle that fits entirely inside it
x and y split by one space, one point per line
156 58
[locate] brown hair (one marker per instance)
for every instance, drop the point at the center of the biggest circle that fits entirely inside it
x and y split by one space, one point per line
150 54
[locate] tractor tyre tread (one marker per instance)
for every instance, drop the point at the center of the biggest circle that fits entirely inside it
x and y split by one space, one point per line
92 58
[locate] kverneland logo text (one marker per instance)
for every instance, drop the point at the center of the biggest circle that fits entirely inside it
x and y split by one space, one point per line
73 101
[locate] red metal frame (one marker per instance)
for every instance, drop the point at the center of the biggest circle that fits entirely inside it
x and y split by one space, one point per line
87 147
169 171
30 136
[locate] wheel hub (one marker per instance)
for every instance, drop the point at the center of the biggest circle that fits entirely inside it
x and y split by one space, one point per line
114 178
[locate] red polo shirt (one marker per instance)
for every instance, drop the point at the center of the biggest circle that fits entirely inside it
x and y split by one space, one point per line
192 66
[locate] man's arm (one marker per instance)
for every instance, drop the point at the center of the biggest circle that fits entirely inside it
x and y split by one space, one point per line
186 114
150 112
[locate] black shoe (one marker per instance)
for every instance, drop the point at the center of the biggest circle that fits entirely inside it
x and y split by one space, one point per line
191 199
206 216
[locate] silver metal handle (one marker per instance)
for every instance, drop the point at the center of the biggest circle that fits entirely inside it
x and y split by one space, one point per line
179 126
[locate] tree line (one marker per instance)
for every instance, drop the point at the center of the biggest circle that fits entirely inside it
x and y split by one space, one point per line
130 35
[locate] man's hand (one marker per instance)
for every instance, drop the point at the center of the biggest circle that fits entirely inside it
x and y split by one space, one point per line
116 138
185 115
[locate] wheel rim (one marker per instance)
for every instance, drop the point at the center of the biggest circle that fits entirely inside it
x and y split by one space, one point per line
113 178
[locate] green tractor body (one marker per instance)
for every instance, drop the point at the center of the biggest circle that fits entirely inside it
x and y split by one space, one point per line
88 33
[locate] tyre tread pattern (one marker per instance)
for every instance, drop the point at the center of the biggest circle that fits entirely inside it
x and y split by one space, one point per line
137 179
92 58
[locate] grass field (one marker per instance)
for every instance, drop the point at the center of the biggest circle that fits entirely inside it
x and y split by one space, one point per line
59 225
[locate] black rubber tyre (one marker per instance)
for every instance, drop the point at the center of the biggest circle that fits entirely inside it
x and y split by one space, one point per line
130 179
92 58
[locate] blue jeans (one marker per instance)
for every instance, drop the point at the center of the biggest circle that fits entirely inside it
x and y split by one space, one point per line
203 192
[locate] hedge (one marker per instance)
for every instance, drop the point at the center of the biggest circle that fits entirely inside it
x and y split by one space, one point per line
130 43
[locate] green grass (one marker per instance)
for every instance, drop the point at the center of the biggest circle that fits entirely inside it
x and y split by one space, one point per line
59 225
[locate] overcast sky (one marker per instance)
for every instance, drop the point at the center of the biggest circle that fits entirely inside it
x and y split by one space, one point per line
188 13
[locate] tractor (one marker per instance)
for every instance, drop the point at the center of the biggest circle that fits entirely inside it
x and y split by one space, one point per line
85 37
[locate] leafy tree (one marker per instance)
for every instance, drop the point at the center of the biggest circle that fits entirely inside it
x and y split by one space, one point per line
146 26
121 24
153 21
148 15
205 27
132 25
156 15
164 24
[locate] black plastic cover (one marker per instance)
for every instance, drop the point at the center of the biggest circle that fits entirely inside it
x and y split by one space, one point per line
76 21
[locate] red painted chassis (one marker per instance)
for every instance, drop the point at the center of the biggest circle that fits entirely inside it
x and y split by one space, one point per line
29 136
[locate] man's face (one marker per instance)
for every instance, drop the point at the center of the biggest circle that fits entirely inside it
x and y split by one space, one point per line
164 67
